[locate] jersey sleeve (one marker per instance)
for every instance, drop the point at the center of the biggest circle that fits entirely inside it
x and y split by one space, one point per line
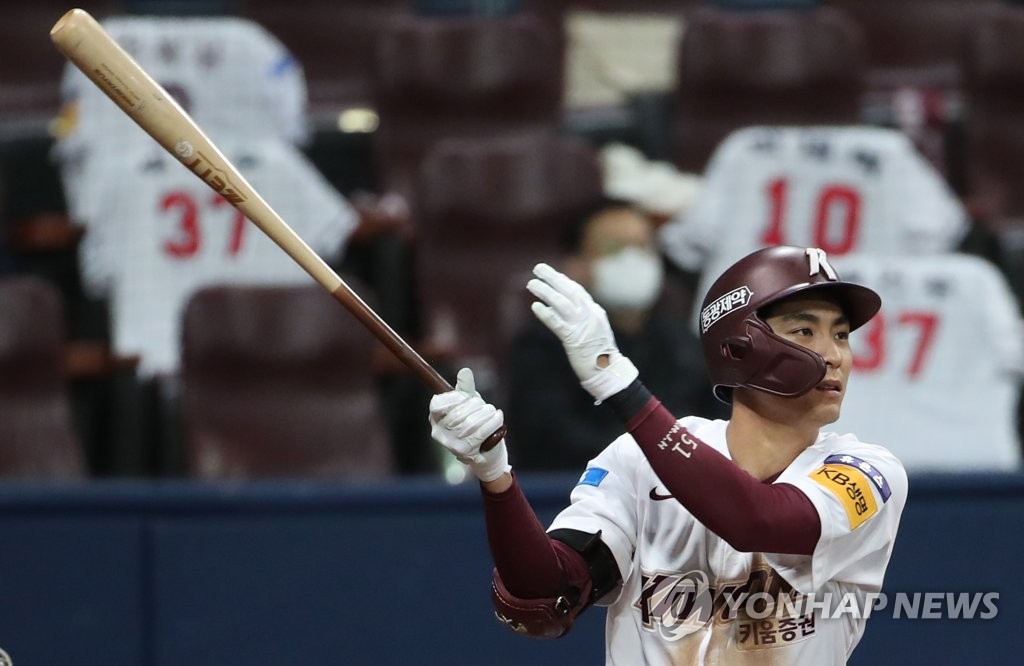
95 209
320 215
689 238
1005 325
285 91
859 497
605 500
932 218
95 256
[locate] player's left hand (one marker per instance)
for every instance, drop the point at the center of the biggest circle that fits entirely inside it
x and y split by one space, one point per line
461 421
581 324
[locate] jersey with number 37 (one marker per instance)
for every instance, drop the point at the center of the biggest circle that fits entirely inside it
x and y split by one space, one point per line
937 372
688 597
155 233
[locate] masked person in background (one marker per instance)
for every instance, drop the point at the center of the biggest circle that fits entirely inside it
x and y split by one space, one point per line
615 257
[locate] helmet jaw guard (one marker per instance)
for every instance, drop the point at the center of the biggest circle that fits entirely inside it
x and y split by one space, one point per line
762 360
740 348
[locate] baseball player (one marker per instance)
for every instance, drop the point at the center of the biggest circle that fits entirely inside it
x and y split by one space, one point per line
709 542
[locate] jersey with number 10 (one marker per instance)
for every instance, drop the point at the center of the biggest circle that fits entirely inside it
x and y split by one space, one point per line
845 190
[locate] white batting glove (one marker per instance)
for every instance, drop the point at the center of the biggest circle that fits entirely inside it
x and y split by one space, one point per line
582 325
460 421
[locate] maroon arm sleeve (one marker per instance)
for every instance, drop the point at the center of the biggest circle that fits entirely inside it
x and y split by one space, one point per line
531 564
751 515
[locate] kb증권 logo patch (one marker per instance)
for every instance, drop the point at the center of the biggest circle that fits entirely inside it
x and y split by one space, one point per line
852 488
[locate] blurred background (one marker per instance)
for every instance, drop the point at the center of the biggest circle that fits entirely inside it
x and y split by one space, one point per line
204 458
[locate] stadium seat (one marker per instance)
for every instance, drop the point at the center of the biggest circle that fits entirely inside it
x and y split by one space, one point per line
914 43
333 41
467 7
914 72
994 68
37 434
30 67
994 74
490 209
279 382
459 77
739 68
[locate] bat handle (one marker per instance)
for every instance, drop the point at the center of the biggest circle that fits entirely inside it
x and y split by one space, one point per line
494 438
402 350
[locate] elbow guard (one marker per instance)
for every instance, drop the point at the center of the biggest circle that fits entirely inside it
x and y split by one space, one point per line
593 576
538 618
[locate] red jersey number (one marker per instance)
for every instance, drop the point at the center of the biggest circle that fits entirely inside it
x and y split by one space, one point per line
836 217
872 355
189 215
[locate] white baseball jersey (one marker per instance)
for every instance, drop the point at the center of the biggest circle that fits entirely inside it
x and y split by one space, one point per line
686 593
155 233
937 372
232 76
844 189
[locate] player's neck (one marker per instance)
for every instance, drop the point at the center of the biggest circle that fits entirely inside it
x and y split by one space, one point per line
764 445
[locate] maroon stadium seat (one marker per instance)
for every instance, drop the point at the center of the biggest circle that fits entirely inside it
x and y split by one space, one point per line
37 435
333 41
460 77
994 76
739 68
994 81
279 382
916 43
491 209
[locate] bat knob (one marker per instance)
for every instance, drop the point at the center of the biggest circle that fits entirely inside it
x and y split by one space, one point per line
493 440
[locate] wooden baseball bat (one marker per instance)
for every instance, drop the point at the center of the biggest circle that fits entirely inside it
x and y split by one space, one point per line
85 43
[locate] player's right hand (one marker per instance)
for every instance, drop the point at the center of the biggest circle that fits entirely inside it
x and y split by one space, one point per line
569 311
461 421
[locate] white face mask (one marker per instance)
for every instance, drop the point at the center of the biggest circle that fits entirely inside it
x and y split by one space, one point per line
628 279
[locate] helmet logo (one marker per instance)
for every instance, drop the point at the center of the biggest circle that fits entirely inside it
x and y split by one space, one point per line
723 305
819 262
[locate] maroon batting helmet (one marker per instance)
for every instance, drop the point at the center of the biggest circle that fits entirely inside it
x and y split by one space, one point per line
740 348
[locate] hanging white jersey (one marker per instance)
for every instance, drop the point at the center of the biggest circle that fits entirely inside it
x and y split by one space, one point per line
844 189
687 596
155 233
231 75
937 372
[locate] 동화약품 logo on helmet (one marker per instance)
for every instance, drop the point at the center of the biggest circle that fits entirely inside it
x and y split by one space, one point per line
723 305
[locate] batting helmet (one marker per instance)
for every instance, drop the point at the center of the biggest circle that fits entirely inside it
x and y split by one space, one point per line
740 348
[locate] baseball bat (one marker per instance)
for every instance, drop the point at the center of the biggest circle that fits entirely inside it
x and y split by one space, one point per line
83 41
